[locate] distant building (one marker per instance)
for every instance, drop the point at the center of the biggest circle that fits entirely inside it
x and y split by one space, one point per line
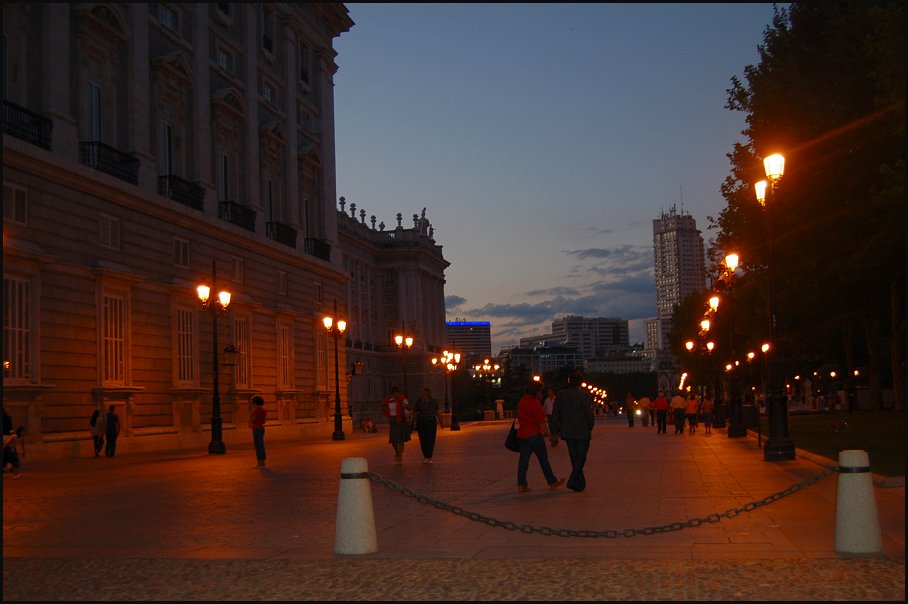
472 339
619 364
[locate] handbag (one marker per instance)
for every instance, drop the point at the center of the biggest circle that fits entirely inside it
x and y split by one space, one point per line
511 443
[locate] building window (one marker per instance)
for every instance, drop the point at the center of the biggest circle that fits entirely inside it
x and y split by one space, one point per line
168 18
166 166
17 333
285 356
243 361
318 293
113 340
304 62
268 93
224 8
94 112
224 180
110 232
224 60
180 252
267 30
185 339
15 203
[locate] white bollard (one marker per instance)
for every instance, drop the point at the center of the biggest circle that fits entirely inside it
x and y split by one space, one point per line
355 530
857 524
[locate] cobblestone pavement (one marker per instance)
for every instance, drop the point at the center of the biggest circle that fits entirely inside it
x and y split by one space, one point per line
189 526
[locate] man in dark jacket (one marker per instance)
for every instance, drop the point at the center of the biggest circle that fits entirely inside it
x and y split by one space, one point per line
572 420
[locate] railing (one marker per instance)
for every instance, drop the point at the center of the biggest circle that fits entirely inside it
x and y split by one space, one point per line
281 233
112 161
234 213
27 125
181 190
318 248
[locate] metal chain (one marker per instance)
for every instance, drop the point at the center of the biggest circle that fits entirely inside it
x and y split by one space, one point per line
632 532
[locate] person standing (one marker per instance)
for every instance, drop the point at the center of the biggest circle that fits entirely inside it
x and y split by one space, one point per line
691 411
97 430
660 406
428 416
706 411
574 424
679 404
111 432
531 432
629 409
396 408
257 419
548 404
644 404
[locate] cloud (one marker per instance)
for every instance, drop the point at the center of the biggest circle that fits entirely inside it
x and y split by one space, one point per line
454 302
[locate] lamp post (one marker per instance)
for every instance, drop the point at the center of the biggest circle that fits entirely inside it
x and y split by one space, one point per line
447 362
779 447
335 328
215 306
487 371
404 343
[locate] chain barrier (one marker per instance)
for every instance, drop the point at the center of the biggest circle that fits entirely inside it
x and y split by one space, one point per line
611 534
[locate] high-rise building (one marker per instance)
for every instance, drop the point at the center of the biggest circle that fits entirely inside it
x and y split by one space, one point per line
472 339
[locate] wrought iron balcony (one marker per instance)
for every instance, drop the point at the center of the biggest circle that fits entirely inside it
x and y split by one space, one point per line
112 161
318 248
281 233
181 190
234 213
27 125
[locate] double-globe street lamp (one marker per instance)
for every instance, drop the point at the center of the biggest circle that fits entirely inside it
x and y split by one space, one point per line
215 306
487 372
404 343
736 426
779 447
448 362
335 328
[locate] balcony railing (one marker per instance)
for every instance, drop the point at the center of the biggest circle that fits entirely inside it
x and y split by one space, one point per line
234 213
27 125
281 233
112 161
318 248
181 190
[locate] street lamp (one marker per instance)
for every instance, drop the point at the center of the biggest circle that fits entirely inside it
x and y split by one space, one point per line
335 328
779 447
215 306
447 362
487 371
404 343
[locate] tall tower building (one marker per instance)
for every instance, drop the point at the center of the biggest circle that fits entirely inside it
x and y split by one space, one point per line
679 256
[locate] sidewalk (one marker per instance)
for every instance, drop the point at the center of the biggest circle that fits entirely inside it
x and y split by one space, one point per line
191 526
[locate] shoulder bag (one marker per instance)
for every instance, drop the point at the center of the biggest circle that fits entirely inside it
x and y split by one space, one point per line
511 443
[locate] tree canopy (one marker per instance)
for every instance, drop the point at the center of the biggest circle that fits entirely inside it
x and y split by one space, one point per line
829 95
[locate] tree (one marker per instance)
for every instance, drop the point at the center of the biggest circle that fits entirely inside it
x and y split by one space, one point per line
829 94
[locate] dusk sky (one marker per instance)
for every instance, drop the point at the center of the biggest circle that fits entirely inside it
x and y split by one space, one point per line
542 140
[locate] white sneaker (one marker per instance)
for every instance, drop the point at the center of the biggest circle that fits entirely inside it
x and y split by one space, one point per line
429 460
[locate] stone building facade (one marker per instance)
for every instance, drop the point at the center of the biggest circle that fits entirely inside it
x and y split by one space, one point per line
152 147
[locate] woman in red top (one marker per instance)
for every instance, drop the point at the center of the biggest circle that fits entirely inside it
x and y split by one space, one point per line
257 422
661 407
532 428
396 408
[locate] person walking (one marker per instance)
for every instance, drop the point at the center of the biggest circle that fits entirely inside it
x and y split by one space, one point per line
531 432
97 430
629 409
428 416
660 406
691 411
574 424
111 432
644 403
706 412
257 418
678 404
548 405
396 408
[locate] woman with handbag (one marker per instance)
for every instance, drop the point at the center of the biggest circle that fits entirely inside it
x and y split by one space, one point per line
427 416
532 430
397 409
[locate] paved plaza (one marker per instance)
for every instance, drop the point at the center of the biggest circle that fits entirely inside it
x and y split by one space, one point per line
664 517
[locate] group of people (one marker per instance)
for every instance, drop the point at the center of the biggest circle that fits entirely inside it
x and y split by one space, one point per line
687 410
105 428
424 417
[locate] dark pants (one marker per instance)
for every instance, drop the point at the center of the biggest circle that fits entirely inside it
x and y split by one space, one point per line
111 447
679 421
99 444
528 446
577 451
661 415
11 457
630 417
258 441
427 431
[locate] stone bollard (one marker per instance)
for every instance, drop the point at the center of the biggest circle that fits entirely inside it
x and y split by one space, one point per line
355 530
857 525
